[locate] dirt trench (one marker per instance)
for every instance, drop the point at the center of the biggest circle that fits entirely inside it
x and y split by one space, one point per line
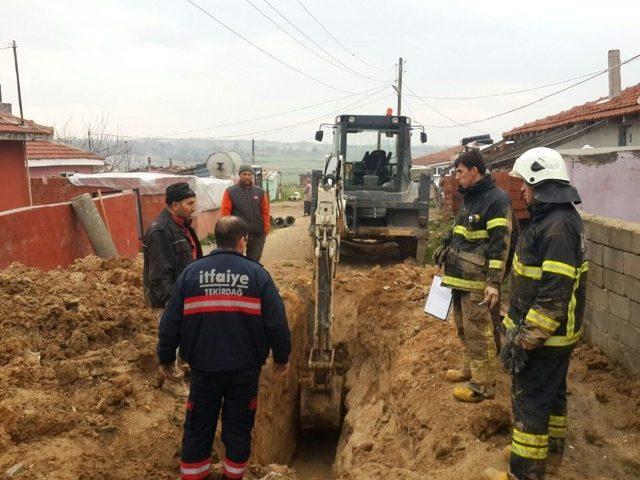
401 420
79 397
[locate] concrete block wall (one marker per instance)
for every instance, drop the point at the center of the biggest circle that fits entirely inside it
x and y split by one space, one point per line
612 316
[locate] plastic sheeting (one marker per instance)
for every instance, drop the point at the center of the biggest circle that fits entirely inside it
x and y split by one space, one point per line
208 190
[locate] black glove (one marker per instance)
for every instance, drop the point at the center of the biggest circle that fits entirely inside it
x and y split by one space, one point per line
440 255
512 355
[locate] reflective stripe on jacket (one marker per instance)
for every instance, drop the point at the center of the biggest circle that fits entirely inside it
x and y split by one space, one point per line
481 237
225 313
549 276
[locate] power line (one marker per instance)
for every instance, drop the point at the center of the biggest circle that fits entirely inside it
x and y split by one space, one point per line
263 117
371 91
514 92
280 61
438 112
538 99
316 43
343 68
335 39
357 104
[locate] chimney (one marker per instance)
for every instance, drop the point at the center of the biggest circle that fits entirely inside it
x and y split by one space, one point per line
615 82
4 107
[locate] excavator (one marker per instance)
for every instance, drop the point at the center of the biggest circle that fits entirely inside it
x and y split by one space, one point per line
364 194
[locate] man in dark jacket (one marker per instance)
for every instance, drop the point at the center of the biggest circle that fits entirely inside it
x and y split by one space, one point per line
251 203
170 244
225 313
474 265
547 301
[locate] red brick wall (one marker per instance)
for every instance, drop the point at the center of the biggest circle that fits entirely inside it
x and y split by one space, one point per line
511 185
51 235
48 190
13 171
55 171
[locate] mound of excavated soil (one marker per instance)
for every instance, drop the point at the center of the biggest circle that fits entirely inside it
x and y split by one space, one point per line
78 384
402 420
79 396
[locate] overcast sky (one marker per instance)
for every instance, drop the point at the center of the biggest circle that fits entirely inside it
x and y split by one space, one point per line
157 67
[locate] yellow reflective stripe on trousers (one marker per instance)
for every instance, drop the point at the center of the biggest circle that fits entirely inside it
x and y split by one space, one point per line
534 453
462 283
495 264
530 439
558 421
497 222
525 270
558 432
559 267
470 234
541 320
508 323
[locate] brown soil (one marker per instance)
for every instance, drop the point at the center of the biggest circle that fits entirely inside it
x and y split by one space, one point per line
79 396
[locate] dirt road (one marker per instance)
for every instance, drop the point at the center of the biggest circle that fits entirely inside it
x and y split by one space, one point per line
79 397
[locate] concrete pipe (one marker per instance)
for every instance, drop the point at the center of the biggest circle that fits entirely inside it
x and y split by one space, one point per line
288 221
91 220
279 222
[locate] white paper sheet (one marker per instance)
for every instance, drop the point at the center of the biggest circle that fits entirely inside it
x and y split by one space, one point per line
439 299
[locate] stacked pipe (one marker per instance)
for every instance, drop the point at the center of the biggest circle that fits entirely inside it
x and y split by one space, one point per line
281 222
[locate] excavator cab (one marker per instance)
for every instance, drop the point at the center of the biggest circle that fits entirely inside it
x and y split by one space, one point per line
382 202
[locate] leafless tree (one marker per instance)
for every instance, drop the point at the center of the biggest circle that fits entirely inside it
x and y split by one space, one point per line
98 137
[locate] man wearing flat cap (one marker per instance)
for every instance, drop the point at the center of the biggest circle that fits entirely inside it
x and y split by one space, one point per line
251 203
170 244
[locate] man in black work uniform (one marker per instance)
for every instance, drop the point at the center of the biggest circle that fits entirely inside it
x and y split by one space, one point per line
170 244
547 301
225 312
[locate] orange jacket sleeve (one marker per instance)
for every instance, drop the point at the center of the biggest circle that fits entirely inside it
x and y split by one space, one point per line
264 207
225 206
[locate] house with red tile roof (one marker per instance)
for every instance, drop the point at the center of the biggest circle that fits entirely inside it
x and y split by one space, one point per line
608 122
48 158
14 134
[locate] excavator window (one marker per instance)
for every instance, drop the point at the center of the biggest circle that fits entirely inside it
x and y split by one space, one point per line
370 157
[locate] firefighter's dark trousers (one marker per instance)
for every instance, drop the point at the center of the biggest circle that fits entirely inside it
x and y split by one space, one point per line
539 399
235 393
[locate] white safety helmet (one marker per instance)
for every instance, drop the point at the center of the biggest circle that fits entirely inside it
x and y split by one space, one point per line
539 164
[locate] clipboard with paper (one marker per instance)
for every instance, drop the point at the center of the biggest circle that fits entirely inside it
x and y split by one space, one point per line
439 299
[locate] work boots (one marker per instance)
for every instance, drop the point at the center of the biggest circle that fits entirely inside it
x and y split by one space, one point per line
458 375
493 474
474 392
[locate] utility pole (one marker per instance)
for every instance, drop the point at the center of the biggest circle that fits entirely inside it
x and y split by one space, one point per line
15 61
89 140
399 89
253 151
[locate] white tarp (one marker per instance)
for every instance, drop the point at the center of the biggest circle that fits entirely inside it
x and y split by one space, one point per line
208 190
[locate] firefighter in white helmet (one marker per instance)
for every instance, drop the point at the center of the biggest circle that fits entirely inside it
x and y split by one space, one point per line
547 300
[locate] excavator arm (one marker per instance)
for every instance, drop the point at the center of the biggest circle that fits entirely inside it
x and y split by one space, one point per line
321 397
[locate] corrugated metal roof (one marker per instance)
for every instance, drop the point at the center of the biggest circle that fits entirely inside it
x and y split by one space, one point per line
624 104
